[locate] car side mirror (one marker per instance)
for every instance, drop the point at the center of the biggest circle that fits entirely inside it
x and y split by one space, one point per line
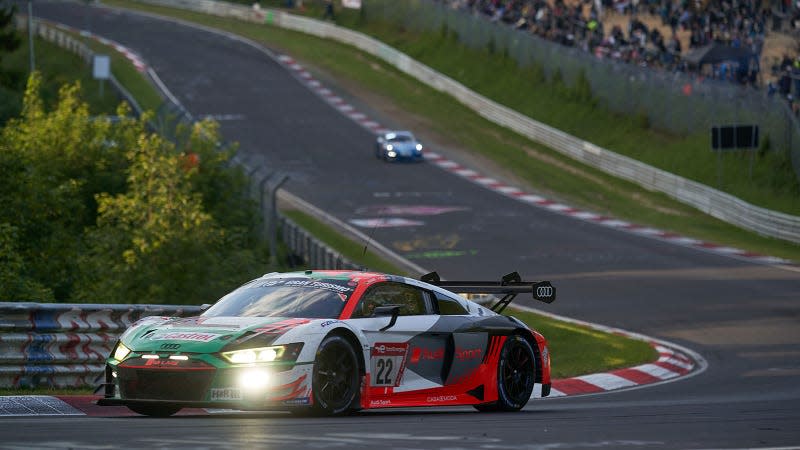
387 310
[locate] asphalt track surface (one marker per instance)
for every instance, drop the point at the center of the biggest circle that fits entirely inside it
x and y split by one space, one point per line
742 317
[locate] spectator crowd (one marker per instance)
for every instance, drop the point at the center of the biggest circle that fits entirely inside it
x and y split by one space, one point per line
737 28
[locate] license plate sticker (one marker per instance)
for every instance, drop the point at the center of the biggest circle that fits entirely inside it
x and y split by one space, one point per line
226 394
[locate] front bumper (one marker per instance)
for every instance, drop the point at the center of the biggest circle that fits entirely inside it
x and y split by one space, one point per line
206 388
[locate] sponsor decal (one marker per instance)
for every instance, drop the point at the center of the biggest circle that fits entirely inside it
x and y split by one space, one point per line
184 336
442 398
544 291
468 353
170 346
226 394
419 353
162 363
377 403
389 349
328 323
301 283
298 401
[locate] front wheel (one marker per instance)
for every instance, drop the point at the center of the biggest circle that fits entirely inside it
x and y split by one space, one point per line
335 380
154 410
516 374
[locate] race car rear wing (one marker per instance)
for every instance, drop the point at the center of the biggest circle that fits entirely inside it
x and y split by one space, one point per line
510 286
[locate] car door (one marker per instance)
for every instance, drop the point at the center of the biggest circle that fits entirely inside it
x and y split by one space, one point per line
413 352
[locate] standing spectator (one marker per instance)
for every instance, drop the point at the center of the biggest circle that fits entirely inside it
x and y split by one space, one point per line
329 13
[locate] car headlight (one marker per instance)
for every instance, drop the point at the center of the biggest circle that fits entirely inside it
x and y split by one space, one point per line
121 352
419 147
264 354
390 147
392 154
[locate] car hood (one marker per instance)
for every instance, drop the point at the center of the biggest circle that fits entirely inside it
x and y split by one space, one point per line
405 148
206 334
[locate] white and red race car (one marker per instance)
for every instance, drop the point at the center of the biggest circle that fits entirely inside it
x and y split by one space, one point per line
332 342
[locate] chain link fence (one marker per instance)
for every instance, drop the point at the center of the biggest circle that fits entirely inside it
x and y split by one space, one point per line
677 102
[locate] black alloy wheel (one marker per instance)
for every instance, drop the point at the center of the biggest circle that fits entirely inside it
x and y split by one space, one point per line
335 380
516 374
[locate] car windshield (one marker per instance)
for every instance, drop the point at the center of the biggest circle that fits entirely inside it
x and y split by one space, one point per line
401 138
285 297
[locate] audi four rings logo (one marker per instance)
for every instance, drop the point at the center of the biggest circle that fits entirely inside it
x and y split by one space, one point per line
544 291
170 346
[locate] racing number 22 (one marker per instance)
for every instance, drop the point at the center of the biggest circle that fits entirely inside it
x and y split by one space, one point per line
384 375
386 370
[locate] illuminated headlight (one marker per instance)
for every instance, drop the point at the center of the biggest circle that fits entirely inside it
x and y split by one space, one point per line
254 355
418 147
392 154
254 379
121 352
390 147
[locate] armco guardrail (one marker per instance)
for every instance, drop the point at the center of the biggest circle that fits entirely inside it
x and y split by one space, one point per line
65 345
311 250
711 201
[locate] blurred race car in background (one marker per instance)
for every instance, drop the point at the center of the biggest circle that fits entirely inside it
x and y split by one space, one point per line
332 342
398 146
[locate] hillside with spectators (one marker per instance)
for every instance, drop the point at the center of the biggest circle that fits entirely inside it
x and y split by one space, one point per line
748 42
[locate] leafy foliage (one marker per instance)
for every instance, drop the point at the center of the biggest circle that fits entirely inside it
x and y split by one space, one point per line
102 211
11 81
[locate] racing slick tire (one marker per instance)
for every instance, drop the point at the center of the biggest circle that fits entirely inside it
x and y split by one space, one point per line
154 410
335 379
516 374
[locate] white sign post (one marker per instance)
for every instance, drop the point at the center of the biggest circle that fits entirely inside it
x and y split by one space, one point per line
101 69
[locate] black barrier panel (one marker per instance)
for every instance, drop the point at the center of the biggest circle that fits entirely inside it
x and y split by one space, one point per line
734 137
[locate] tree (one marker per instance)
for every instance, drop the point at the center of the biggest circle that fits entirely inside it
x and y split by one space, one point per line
53 164
155 243
15 280
102 211
11 82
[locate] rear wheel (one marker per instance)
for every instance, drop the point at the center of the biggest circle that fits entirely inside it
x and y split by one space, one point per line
516 374
154 410
335 380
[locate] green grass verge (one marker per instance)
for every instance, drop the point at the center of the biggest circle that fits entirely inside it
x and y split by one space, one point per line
579 350
59 67
126 73
350 249
544 170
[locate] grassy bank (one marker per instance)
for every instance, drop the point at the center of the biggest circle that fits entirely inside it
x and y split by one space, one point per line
59 67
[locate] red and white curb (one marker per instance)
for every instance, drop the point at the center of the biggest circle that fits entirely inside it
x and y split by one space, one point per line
674 362
511 191
134 59
669 366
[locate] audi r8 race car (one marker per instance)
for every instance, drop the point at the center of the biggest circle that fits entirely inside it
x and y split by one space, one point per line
398 146
332 342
